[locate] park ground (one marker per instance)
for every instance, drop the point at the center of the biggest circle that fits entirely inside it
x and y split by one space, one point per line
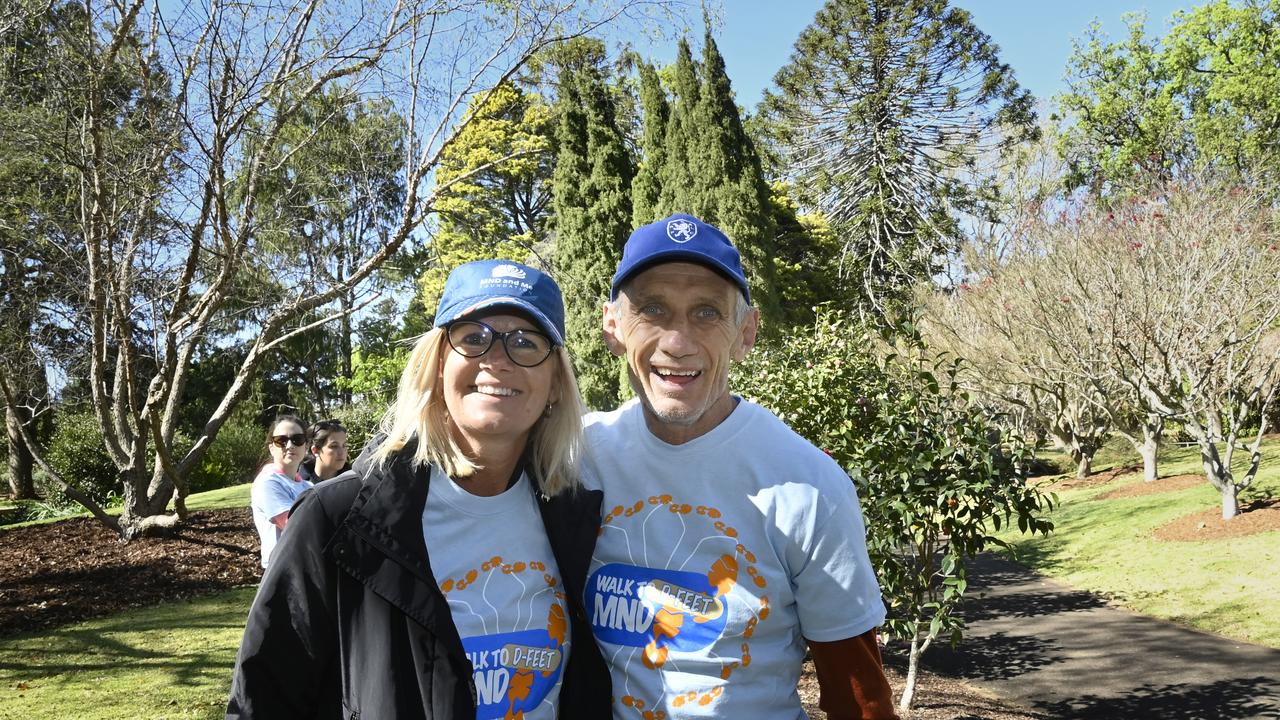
160 617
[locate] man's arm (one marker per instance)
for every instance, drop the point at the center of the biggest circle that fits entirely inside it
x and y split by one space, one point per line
851 680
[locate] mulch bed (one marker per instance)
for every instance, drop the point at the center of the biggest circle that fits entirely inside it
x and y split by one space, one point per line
1255 517
1160 485
74 570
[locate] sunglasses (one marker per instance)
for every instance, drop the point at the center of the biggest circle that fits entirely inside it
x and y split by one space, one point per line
526 348
297 440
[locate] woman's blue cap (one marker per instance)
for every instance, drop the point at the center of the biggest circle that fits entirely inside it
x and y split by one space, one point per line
493 284
679 238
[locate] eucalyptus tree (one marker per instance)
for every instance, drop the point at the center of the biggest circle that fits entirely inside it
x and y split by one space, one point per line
882 113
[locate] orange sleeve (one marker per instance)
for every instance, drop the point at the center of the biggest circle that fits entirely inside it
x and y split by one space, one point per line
851 679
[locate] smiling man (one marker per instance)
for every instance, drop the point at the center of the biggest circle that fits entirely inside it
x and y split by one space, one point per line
729 542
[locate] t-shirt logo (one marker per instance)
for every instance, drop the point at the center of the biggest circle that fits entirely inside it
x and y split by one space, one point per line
681 230
514 671
657 609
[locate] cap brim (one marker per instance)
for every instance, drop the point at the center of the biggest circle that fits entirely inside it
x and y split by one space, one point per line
676 255
471 306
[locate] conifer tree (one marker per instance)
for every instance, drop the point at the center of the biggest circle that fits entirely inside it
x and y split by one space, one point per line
646 190
591 198
729 180
678 167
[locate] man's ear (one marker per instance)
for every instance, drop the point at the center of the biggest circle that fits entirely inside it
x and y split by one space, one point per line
747 334
612 334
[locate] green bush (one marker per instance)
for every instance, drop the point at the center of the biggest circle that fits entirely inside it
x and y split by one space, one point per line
935 475
234 456
77 452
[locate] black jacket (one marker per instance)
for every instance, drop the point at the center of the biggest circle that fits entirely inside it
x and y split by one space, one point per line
349 621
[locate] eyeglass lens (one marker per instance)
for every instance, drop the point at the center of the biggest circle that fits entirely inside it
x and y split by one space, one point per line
526 348
298 440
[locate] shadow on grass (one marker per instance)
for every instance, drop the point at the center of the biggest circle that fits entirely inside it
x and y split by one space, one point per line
1221 700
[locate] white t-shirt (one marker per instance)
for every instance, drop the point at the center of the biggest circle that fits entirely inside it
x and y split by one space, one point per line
492 560
272 494
716 560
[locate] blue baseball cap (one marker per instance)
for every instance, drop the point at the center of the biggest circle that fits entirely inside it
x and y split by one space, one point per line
488 284
679 238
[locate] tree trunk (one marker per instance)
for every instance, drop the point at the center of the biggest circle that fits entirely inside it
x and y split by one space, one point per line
1152 429
1230 501
21 464
909 685
1219 474
1084 464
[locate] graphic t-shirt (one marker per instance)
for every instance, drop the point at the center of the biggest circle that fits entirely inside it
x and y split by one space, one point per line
272 493
717 558
492 560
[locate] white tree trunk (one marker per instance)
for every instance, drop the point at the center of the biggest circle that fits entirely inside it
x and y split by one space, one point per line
913 668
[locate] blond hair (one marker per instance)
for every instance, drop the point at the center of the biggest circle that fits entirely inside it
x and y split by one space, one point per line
419 411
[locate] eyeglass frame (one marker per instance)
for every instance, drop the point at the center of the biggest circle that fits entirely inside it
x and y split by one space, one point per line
494 336
281 441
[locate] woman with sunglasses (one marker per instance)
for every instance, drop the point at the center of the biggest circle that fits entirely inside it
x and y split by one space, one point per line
444 578
278 483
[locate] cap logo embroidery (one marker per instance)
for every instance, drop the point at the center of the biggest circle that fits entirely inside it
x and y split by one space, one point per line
510 271
681 231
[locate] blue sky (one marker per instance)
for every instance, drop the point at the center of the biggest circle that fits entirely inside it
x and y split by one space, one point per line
1034 35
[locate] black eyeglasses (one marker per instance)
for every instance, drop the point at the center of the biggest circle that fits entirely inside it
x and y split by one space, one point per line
297 439
526 348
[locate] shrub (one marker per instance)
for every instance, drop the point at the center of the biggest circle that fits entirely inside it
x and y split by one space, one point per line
935 474
77 452
234 456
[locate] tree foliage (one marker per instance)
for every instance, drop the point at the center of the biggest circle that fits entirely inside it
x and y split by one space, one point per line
184 119
882 114
935 475
1203 99
495 181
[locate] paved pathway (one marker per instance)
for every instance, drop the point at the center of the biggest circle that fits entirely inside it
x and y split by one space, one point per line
1067 654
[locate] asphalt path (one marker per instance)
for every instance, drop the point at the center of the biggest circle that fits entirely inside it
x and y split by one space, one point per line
1066 653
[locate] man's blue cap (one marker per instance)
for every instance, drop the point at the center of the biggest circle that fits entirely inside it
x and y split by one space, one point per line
493 284
679 238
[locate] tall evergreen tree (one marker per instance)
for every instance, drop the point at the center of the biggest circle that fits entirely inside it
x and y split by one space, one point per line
729 181
678 180
882 113
591 198
646 190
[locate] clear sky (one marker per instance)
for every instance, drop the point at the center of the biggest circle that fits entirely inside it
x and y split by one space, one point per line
1034 35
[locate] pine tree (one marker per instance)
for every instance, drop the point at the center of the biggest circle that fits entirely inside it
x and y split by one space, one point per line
592 204
646 190
882 113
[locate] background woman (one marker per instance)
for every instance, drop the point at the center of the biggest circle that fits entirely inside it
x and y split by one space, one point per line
278 483
444 579
328 451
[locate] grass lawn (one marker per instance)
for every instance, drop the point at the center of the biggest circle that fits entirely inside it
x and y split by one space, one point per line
1107 545
170 661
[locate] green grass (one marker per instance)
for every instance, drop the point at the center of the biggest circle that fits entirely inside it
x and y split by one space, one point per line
169 661
1108 546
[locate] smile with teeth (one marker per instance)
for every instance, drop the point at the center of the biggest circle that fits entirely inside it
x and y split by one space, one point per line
497 390
665 373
